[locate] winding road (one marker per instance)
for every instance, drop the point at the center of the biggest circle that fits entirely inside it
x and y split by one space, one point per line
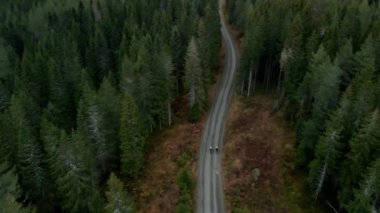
209 185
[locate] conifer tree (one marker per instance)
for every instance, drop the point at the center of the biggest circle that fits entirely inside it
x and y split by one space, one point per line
29 155
117 199
9 190
294 71
364 149
367 197
328 150
324 87
194 81
75 183
131 138
177 51
109 106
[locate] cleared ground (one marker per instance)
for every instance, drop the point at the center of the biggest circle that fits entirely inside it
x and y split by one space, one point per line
170 150
258 161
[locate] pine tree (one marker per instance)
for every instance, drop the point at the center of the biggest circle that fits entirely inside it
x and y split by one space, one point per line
367 197
6 77
328 151
295 69
204 52
252 50
29 155
344 59
212 25
194 82
9 191
162 88
131 138
9 188
324 87
75 183
117 198
177 51
109 107
364 149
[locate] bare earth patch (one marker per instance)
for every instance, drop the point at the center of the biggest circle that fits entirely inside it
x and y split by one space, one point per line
157 190
258 160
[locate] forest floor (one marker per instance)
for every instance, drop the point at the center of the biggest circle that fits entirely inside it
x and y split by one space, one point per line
171 150
258 161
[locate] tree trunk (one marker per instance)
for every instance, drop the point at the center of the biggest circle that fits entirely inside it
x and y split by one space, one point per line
242 85
254 82
177 87
169 114
265 76
321 181
279 81
192 95
249 82
278 103
269 73
374 203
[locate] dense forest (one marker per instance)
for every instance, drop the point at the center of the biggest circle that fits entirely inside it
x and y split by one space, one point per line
83 83
322 59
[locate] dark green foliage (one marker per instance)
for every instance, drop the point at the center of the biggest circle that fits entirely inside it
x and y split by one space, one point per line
131 138
185 184
366 197
364 149
30 162
194 82
324 89
117 200
327 53
73 176
83 83
9 190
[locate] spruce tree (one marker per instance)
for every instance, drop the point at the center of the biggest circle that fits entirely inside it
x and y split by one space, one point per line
131 138
324 87
194 82
9 190
178 53
366 197
328 152
30 158
117 198
364 149
75 183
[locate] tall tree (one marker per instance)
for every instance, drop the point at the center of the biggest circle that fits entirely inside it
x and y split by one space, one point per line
75 183
367 197
131 138
194 81
117 199
364 149
324 87
30 164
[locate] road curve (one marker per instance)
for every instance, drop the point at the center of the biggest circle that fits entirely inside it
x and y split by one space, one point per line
209 185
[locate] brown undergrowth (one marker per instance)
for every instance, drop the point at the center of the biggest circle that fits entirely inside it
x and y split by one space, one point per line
258 161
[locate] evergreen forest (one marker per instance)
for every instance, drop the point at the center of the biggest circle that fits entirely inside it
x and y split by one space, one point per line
322 59
83 83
